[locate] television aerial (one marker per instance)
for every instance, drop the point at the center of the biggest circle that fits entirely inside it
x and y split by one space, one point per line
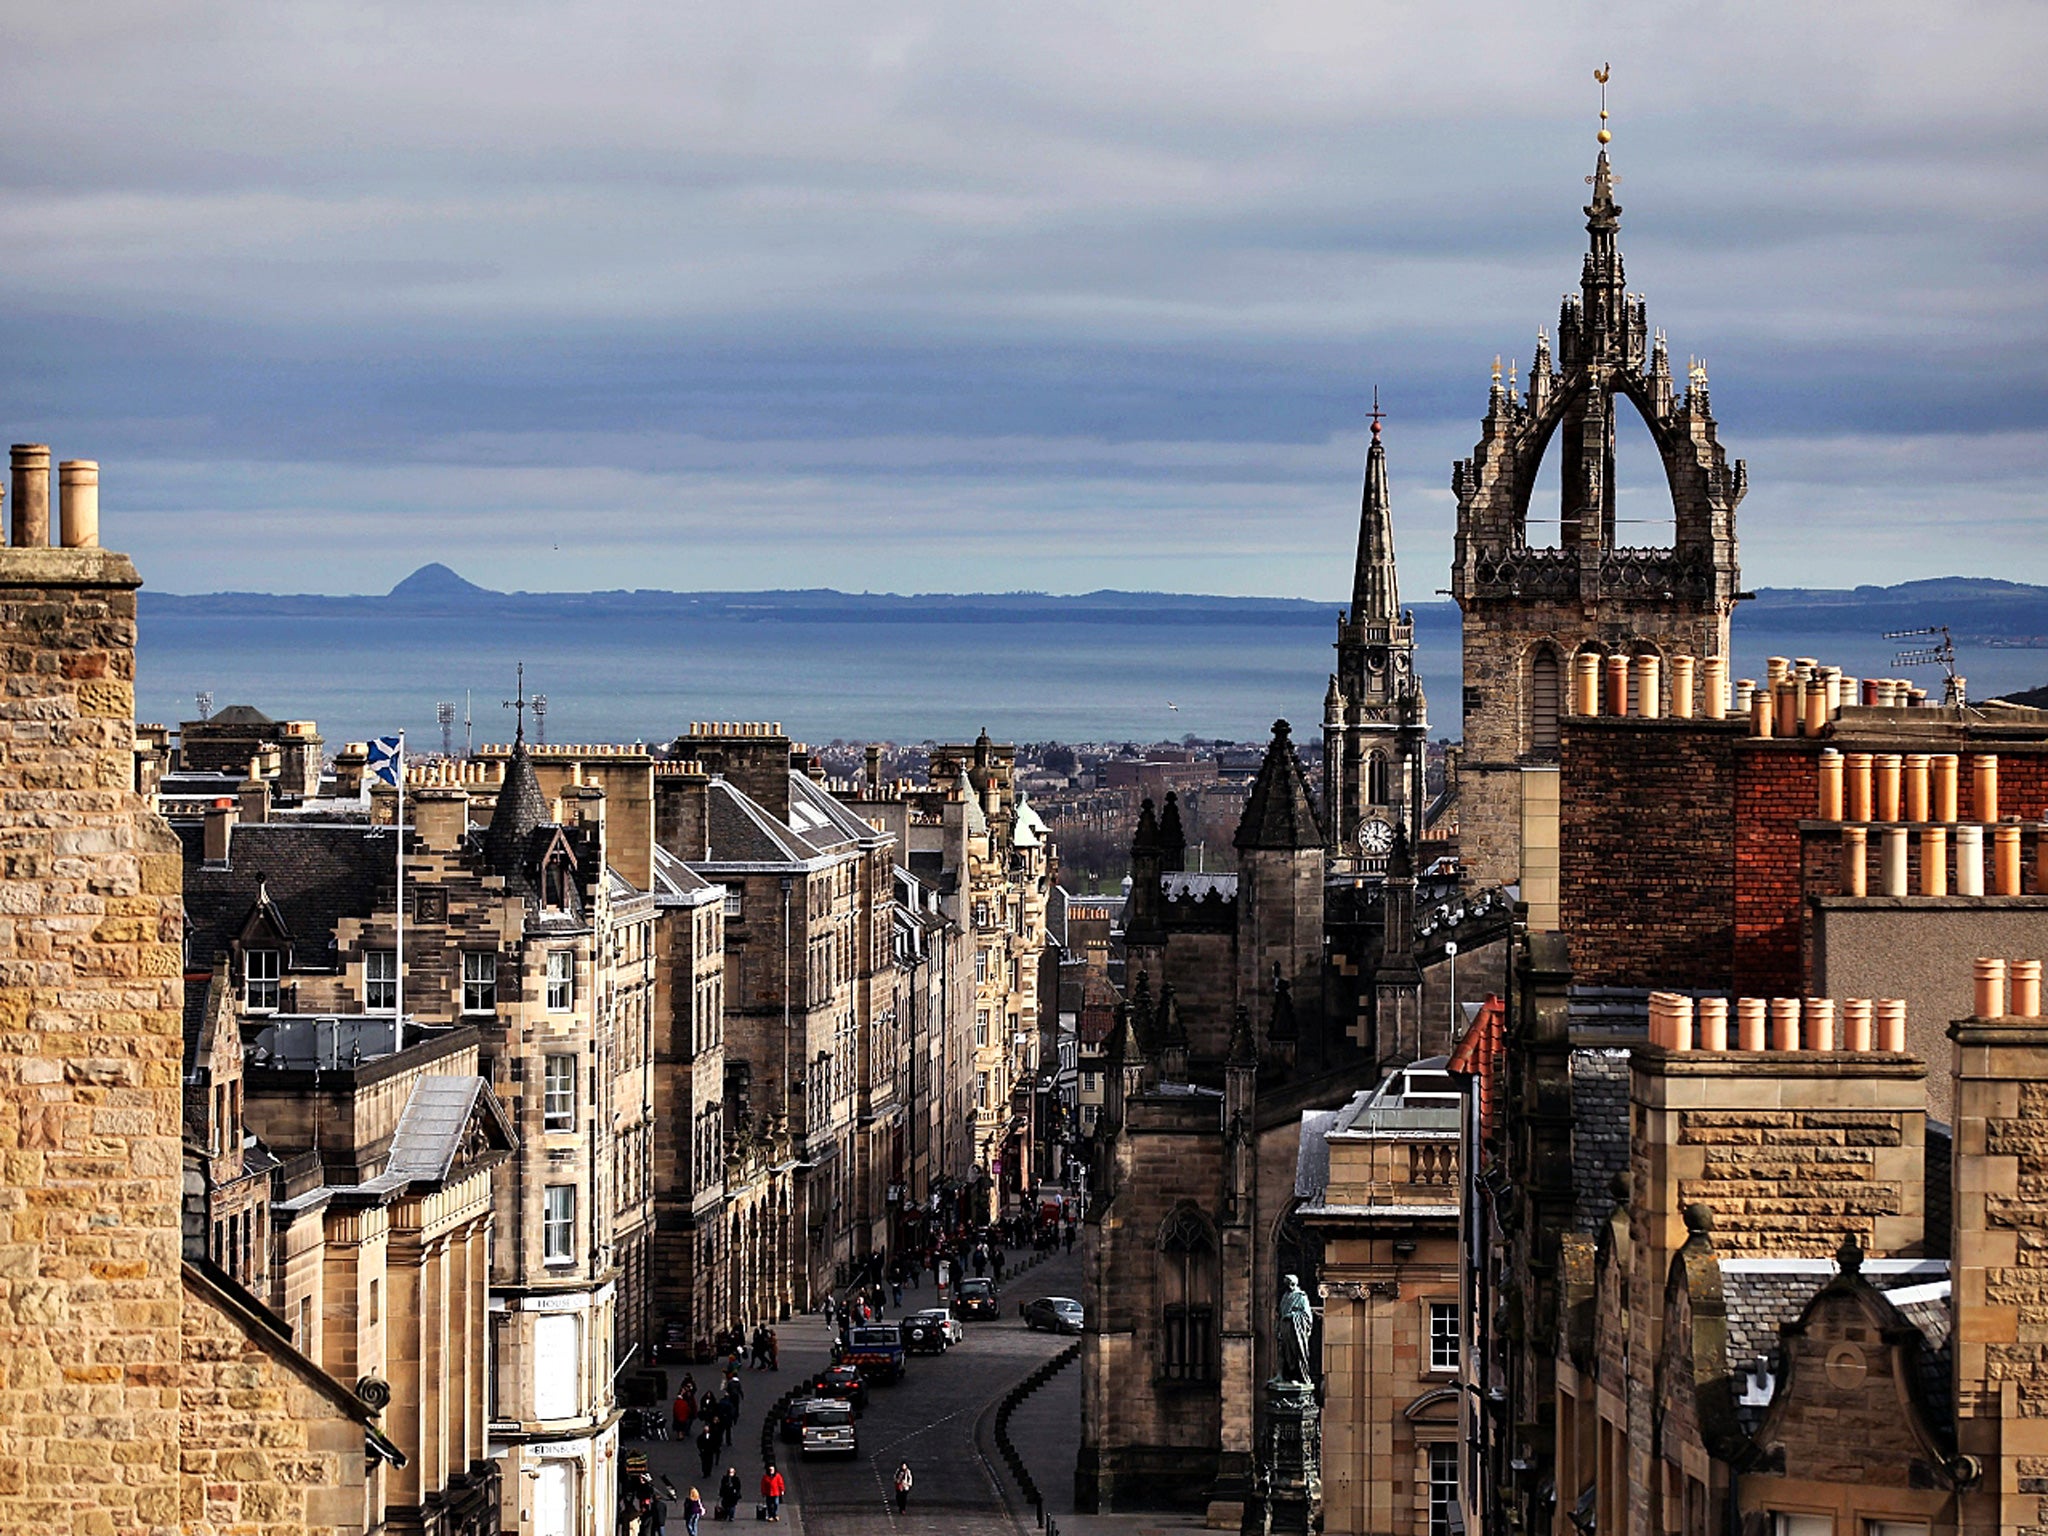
1942 655
204 699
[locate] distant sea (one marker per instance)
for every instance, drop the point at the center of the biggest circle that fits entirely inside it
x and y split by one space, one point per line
625 676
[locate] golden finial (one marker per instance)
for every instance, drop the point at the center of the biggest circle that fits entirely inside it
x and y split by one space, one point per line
1513 363
1601 75
1496 369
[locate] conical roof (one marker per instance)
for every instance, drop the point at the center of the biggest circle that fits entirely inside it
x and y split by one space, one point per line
977 819
521 807
1280 812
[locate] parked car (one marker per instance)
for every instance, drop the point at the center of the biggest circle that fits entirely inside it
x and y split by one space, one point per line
844 1383
828 1431
1057 1314
941 1321
793 1413
976 1297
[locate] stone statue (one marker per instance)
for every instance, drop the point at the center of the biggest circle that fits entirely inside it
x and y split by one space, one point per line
1294 1331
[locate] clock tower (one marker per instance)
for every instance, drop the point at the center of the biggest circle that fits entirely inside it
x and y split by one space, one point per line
1375 719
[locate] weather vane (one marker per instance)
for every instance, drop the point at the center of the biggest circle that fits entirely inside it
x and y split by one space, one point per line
1601 75
1378 415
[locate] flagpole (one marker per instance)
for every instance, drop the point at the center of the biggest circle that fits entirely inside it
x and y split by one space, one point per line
398 959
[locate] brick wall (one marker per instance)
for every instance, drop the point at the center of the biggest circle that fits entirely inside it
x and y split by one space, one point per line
1649 843
90 996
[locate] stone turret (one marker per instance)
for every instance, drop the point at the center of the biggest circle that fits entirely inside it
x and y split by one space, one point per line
1281 863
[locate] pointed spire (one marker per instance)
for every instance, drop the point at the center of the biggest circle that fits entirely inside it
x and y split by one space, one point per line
1279 812
1146 838
1375 591
1173 841
521 807
1244 1045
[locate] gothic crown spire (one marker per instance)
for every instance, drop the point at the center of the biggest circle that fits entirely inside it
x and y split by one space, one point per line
1375 591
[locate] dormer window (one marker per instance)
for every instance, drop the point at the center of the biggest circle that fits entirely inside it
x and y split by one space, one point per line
259 980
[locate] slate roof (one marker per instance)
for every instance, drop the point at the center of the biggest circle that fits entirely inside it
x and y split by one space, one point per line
738 831
1312 1160
823 819
521 808
237 714
428 1137
675 883
315 874
1280 812
1599 1132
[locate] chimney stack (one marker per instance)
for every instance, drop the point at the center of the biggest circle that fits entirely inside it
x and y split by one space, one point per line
440 817
220 827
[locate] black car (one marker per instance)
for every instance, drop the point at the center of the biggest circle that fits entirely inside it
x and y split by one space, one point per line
976 1297
1056 1314
925 1333
844 1383
793 1416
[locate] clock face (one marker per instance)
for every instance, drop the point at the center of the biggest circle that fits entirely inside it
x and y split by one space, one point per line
1376 837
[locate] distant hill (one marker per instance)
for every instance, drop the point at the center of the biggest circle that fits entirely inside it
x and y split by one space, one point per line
1979 611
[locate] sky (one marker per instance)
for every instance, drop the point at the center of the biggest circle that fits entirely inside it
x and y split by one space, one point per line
964 297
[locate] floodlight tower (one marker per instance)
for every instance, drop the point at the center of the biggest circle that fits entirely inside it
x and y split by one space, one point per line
444 712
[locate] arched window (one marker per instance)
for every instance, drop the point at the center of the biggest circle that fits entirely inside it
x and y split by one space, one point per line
1187 1259
1544 685
1376 779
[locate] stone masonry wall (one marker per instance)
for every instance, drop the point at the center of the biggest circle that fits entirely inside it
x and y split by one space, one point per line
263 1452
90 920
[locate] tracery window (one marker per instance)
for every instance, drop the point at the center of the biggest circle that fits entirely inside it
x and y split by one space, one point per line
1187 1257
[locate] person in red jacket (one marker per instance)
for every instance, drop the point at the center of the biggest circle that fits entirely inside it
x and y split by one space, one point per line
685 1409
772 1489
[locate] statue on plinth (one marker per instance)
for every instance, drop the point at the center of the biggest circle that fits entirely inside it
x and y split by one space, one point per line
1288 1471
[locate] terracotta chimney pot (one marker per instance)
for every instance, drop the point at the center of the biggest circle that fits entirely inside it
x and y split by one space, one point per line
1856 1024
1820 1023
1988 1000
1856 786
1830 807
1891 1025
1751 1019
1784 1023
1888 769
1760 714
1681 687
2025 1001
1649 686
1714 688
1947 769
1916 786
2005 858
1984 787
1712 1014
1855 861
1933 861
1617 685
1786 698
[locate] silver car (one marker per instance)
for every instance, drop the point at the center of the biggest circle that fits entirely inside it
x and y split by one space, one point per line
942 1318
828 1430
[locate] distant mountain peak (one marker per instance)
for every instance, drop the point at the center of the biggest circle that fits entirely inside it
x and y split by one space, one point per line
437 581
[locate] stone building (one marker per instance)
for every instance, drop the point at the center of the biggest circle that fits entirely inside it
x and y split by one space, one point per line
284 753
1531 607
1799 1312
1378 1186
520 936
145 1388
972 837
809 936
1375 718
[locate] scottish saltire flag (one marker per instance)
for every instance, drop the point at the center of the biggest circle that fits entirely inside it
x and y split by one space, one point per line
386 763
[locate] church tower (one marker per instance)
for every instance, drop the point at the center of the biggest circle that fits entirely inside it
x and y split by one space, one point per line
1375 719
1531 605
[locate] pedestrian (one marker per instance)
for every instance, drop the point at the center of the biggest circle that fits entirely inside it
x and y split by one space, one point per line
897 1288
729 1493
772 1489
1070 1237
999 1266
684 1409
903 1481
693 1511
707 1449
774 1351
826 1307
